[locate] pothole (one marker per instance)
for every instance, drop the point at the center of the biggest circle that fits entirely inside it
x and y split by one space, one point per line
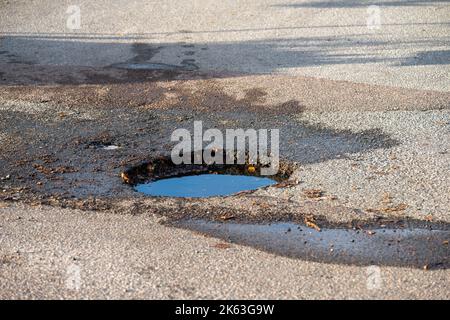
203 185
161 177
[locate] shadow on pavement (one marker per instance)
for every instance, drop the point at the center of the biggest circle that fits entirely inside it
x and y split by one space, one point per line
93 59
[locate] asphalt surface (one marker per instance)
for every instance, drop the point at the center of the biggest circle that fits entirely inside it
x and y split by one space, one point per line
363 112
328 39
126 256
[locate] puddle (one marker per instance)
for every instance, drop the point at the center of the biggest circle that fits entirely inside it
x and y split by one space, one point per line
412 247
203 185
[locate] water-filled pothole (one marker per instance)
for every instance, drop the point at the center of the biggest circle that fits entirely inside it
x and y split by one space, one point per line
203 185
161 177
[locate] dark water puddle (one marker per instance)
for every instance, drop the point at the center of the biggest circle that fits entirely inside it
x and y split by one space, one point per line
413 247
203 185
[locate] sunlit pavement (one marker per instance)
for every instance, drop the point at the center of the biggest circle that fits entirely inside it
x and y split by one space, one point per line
329 69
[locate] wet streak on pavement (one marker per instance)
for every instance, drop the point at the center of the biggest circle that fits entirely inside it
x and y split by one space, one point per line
414 247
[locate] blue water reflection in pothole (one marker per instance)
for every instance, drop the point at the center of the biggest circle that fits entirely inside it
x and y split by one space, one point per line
203 186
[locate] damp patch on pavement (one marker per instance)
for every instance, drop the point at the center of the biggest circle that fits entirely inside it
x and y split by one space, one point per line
417 247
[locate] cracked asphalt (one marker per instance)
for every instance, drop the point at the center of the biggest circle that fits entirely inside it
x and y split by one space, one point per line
363 113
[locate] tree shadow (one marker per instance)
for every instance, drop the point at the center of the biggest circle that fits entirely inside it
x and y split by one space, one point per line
140 109
434 57
52 60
